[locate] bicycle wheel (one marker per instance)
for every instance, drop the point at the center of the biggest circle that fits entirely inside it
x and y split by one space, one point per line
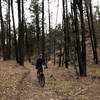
42 80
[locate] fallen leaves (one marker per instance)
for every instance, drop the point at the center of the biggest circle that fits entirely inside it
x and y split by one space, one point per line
61 83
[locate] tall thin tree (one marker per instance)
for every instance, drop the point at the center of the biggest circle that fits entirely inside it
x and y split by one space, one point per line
91 30
94 37
43 34
15 39
9 35
80 6
21 33
2 32
65 36
37 25
49 16
78 48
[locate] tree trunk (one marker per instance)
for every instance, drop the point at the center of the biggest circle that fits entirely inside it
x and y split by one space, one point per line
15 40
67 32
91 32
65 37
38 30
94 37
9 31
79 53
60 54
21 33
55 47
2 33
80 5
49 29
43 34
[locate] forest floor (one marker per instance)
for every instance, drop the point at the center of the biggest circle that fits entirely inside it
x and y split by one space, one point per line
20 83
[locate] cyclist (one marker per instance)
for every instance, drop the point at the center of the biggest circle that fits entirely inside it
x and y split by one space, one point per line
39 62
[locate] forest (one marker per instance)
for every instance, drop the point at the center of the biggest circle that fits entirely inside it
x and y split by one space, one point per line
61 34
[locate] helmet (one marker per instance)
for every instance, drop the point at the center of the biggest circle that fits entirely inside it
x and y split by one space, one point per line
40 55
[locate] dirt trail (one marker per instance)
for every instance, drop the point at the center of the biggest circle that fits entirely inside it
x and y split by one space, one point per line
56 87
29 89
26 88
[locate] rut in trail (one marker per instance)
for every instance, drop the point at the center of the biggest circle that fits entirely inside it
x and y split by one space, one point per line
26 87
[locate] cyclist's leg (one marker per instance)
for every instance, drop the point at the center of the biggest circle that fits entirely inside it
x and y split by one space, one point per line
42 74
42 69
38 72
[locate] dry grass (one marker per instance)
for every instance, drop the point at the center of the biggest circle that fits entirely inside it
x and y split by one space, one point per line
64 83
10 76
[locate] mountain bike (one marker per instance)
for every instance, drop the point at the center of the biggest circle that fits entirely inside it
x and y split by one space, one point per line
41 78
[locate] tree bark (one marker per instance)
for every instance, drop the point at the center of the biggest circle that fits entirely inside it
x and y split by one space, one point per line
91 29
49 28
15 39
43 34
21 33
2 33
79 53
65 36
94 37
9 30
38 29
80 5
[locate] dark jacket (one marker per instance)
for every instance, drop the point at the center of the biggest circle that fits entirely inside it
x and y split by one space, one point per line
40 62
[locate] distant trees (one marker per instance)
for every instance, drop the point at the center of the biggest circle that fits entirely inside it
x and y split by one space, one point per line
35 9
30 41
88 6
77 5
66 43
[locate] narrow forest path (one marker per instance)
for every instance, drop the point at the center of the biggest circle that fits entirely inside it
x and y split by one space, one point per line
26 89
29 88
